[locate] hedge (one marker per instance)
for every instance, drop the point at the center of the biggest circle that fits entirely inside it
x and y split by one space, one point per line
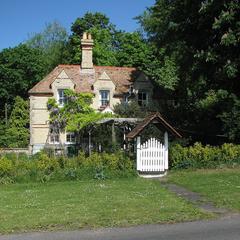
42 168
199 156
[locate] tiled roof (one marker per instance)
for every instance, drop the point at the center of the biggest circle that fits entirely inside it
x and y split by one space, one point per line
122 77
150 119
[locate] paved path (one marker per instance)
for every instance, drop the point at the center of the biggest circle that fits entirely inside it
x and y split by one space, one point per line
227 228
196 199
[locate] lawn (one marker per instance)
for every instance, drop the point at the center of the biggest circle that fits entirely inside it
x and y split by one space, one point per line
222 186
90 204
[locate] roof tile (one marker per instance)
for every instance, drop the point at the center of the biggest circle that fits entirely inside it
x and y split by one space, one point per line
121 76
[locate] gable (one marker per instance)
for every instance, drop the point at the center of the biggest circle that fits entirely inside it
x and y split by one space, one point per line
143 83
62 81
121 78
104 76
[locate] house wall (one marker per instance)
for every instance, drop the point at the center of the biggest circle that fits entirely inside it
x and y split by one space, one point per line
39 115
39 118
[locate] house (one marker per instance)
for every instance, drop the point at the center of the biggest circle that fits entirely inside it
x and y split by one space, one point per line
110 85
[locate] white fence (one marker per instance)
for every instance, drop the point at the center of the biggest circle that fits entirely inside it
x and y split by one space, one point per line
152 156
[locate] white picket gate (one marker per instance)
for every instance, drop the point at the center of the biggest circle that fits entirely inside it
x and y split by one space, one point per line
152 156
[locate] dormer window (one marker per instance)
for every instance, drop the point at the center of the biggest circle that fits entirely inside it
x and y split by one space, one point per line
62 99
104 98
142 98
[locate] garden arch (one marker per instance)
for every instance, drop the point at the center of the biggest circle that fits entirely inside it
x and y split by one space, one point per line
152 155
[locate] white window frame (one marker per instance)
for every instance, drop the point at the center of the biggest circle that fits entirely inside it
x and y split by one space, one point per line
61 99
107 99
143 102
72 136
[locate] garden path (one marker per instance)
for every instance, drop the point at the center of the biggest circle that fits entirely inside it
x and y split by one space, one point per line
196 199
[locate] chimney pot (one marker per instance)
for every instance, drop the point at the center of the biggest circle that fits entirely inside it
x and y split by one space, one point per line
89 36
84 35
87 46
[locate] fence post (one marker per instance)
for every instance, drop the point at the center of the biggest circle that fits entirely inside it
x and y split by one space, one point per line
138 152
166 150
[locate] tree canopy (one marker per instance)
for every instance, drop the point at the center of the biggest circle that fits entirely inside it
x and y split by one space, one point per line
20 68
16 132
198 45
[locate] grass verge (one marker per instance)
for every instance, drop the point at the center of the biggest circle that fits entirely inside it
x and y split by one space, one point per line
90 204
221 186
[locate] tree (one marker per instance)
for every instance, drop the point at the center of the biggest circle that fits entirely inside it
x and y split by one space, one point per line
103 33
133 109
20 68
111 46
52 41
198 45
132 50
16 134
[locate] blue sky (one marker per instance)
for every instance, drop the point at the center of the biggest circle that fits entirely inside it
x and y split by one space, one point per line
19 18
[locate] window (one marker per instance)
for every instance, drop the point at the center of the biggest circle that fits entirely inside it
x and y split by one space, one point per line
62 99
70 138
142 98
104 97
54 137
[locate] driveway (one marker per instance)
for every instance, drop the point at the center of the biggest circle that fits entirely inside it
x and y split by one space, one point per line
226 228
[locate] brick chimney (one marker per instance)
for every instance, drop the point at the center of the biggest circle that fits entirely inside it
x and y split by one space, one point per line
87 46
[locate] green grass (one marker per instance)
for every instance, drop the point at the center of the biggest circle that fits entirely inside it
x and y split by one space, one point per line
90 204
222 186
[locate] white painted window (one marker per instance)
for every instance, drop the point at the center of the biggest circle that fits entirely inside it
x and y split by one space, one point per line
142 98
104 97
62 99
70 138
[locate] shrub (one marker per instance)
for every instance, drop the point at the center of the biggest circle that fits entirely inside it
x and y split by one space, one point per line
199 156
43 167
47 164
6 167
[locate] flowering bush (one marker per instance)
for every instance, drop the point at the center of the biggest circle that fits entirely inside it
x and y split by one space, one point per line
199 156
41 167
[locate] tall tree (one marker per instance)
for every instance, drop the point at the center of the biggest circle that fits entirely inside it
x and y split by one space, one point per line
103 33
20 68
52 42
16 134
111 46
199 41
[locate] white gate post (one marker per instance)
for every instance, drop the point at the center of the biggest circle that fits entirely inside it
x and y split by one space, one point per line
166 150
138 152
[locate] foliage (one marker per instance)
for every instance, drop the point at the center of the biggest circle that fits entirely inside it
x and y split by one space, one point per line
103 33
6 167
43 168
231 120
16 133
199 156
132 109
196 56
20 68
111 46
52 42
76 114
132 49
